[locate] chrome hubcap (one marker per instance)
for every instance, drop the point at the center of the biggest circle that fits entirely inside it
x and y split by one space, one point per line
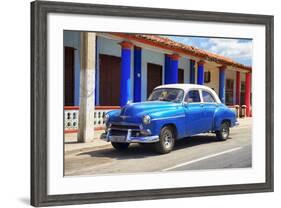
224 131
167 135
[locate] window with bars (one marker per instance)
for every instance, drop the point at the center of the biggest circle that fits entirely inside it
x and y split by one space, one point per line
242 93
229 92
207 77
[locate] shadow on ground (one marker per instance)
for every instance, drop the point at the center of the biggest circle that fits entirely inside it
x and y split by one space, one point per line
138 151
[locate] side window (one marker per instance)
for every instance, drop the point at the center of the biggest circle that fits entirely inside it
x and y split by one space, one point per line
207 97
192 96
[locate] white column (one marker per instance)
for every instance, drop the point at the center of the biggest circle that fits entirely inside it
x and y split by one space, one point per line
87 87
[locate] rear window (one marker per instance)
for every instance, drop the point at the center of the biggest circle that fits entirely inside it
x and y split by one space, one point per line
192 96
207 97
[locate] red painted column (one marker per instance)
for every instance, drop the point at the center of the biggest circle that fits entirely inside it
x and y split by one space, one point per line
248 93
238 88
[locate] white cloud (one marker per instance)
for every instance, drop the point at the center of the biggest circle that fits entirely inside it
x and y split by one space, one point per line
232 48
239 50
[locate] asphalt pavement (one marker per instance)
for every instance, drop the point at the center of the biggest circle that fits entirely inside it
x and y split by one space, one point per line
194 153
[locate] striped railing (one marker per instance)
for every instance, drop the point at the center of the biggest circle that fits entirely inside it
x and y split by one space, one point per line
71 117
99 113
240 110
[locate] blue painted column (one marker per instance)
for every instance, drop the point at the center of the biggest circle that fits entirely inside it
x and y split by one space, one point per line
171 68
137 74
174 68
125 81
192 72
200 72
167 68
222 83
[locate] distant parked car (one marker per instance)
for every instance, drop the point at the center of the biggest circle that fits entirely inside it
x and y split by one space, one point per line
172 112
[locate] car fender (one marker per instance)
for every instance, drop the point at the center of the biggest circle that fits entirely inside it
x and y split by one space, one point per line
223 113
174 117
113 112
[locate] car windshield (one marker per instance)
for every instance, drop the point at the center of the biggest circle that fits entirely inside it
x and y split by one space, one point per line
166 94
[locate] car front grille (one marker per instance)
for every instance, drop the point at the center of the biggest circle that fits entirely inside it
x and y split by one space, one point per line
118 132
125 127
122 130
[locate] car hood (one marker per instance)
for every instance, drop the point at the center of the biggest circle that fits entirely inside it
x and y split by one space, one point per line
143 108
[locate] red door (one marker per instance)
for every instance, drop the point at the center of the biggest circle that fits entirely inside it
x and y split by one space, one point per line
109 91
154 77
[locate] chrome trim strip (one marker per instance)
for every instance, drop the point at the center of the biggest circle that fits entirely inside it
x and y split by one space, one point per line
129 139
155 119
123 123
148 139
124 129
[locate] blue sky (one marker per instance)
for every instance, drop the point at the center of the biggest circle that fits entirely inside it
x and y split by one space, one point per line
239 50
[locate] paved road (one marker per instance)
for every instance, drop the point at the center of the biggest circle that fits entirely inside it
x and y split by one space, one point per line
198 152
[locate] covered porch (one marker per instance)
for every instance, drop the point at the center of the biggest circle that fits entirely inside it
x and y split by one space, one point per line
97 82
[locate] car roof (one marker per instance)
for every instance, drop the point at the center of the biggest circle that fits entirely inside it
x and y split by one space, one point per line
186 87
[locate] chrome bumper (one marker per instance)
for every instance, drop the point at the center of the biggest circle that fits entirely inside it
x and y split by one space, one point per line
128 138
236 123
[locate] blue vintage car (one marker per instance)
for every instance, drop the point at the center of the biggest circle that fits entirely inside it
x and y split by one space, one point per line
172 112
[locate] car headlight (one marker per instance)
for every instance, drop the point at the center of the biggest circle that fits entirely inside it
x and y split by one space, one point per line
146 119
106 118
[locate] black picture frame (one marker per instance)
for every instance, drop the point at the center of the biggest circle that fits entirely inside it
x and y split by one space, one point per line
39 98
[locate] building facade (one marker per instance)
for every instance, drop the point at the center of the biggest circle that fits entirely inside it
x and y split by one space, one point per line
128 67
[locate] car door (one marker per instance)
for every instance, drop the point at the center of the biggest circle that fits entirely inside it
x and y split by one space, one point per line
209 106
194 112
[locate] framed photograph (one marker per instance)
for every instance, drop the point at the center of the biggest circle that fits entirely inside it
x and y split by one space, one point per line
132 103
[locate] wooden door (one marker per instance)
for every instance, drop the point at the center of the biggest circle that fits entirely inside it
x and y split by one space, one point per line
109 92
154 77
180 76
68 76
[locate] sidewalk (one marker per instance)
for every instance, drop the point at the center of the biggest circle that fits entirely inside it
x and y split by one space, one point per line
245 121
71 143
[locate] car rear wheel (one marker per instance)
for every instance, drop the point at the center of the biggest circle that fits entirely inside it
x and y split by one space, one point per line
120 146
223 133
166 140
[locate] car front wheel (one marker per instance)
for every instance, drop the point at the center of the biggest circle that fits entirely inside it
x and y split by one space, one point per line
223 133
120 146
166 140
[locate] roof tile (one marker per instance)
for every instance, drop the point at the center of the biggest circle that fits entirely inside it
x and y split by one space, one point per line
180 47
